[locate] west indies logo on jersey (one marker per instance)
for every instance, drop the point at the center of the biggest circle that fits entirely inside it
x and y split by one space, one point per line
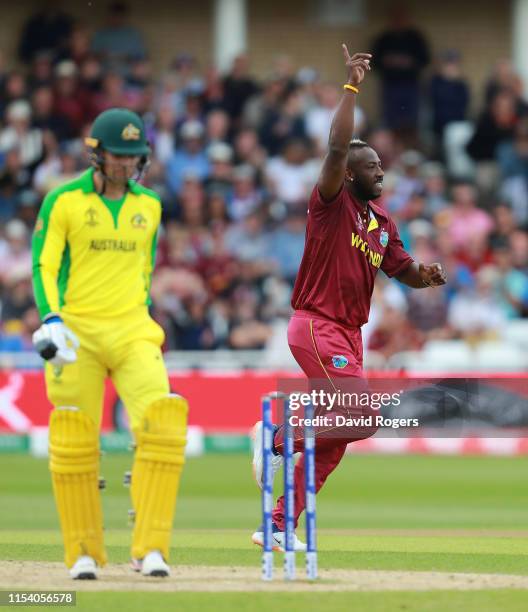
339 361
139 222
384 238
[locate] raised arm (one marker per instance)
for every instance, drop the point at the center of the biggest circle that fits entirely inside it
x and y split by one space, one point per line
334 165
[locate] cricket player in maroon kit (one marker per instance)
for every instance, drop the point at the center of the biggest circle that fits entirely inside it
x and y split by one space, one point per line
348 239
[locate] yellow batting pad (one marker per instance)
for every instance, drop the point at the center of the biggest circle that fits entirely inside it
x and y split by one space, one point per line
160 448
74 466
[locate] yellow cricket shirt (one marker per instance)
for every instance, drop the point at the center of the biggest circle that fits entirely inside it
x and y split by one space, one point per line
92 257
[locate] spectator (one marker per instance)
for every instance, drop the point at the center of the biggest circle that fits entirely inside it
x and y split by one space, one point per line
246 197
308 81
287 245
247 331
238 87
16 302
213 90
78 44
91 75
291 175
14 179
114 93
46 30
162 135
15 263
185 70
435 188
15 88
505 224
319 118
220 177
264 103
503 78
46 118
518 241
193 109
384 142
495 125
71 101
248 149
19 133
41 74
59 166
408 181
250 244
394 333
118 42
49 166
464 219
190 159
512 155
217 126
473 313
284 124
140 76
511 285
400 54
191 330
449 94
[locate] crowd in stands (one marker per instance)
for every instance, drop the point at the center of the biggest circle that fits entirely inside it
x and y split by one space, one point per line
235 158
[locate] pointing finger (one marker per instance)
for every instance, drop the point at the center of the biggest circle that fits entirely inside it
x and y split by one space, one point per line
362 56
345 52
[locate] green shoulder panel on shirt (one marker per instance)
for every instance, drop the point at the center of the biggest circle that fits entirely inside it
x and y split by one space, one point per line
64 275
138 189
153 249
83 183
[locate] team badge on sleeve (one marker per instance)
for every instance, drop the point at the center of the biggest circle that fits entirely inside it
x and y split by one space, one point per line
384 238
339 361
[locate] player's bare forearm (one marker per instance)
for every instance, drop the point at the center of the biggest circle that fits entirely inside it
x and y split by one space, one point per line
342 128
420 276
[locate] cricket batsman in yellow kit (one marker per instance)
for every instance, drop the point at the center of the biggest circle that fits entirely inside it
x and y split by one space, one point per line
94 249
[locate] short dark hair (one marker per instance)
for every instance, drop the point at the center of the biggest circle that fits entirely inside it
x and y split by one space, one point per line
356 143
355 146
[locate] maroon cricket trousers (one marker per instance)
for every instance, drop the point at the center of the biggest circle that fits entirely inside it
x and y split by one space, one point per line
331 356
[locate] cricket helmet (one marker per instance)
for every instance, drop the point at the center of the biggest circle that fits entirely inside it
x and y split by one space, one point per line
119 131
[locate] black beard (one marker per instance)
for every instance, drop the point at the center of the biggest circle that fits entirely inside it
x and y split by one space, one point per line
362 193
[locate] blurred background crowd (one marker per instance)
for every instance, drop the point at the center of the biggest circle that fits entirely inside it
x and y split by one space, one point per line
235 157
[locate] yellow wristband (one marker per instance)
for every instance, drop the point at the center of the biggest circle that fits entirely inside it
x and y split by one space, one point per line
351 87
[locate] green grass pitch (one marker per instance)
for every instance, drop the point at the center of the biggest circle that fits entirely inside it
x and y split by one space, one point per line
407 513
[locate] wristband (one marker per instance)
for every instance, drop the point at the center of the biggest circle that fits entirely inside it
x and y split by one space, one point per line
351 87
52 317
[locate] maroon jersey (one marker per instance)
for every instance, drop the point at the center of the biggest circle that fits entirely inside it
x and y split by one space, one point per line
345 247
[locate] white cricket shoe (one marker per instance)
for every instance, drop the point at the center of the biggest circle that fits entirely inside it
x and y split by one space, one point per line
258 455
279 538
152 564
84 568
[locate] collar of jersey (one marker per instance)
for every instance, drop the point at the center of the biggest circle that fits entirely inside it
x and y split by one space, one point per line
89 187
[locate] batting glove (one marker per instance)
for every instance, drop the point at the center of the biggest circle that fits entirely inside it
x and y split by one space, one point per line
55 342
